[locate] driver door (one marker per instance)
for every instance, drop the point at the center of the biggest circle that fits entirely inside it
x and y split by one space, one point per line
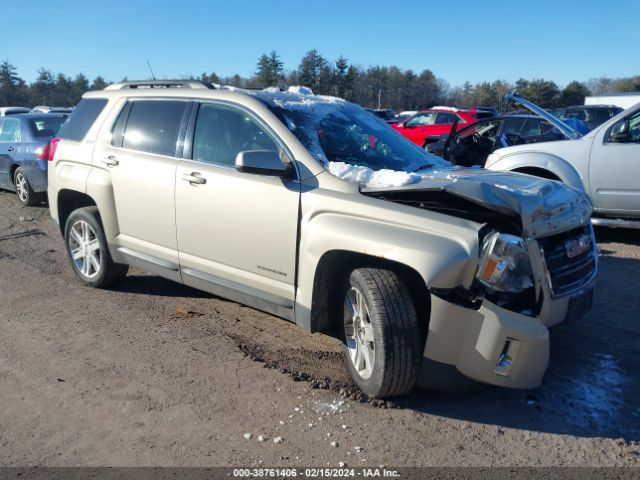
614 170
472 145
237 231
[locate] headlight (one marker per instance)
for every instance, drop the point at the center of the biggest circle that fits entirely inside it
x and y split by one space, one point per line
504 264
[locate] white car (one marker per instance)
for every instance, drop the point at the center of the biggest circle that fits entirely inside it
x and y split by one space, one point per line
4 111
605 163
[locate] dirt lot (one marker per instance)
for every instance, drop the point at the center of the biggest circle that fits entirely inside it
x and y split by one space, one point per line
154 373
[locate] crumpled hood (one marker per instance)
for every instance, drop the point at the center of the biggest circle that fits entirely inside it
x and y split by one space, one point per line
544 206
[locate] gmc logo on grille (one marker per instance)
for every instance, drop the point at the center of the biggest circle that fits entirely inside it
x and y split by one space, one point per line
573 248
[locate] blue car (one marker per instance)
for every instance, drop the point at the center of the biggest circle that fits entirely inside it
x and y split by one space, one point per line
24 153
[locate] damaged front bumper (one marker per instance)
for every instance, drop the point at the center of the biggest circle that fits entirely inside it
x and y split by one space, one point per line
490 345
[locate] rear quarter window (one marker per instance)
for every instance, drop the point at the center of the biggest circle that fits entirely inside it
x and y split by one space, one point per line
83 116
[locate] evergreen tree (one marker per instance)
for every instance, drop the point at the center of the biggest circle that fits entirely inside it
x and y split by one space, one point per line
341 71
270 72
42 90
12 87
98 83
311 68
573 94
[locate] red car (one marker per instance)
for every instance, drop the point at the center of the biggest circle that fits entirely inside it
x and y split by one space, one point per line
428 125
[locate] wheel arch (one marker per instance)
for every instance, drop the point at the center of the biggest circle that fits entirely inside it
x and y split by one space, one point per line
70 200
332 270
541 162
538 172
12 172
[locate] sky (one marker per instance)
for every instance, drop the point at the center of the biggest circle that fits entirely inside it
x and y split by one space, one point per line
475 41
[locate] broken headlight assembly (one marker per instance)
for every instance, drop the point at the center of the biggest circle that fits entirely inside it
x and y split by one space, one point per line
504 264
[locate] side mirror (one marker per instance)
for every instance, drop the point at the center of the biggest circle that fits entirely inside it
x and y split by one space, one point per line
619 133
262 162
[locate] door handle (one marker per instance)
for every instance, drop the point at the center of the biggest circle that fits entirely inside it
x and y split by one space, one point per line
194 178
10 149
110 161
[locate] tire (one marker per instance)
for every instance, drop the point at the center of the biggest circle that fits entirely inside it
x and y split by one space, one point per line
383 348
25 193
88 252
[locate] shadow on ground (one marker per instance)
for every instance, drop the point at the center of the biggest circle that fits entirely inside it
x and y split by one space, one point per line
157 286
590 389
618 235
592 386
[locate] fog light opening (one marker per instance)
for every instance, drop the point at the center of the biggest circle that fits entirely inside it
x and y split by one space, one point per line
507 357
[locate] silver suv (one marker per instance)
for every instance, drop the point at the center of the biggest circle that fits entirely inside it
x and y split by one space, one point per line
314 210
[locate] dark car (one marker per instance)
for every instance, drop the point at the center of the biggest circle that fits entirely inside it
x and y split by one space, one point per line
385 114
472 145
592 115
24 152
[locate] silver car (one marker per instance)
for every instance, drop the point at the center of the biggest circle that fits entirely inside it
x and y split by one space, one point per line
605 163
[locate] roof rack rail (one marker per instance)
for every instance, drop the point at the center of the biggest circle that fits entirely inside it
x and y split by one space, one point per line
195 84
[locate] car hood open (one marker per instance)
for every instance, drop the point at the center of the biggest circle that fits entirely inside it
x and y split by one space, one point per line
569 131
544 206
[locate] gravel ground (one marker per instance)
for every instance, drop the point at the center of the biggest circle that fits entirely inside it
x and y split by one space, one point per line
154 373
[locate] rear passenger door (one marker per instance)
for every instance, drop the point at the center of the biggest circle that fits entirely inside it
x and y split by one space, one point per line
140 159
9 133
237 231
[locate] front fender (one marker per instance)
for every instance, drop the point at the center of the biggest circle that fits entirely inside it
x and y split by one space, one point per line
444 255
545 161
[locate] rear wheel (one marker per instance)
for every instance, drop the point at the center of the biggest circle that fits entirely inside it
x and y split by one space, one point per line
25 193
88 251
381 331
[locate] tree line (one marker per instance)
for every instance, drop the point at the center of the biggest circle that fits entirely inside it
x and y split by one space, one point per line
373 87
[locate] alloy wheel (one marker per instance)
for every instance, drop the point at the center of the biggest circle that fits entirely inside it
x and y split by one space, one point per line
22 187
359 333
85 249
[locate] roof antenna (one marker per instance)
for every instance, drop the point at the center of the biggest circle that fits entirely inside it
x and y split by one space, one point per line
152 75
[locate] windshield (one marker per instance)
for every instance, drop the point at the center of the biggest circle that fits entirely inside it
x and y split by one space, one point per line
339 131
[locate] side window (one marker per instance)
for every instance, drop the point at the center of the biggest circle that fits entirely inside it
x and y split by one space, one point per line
83 116
421 119
445 118
153 126
222 132
531 128
546 127
579 114
634 128
10 129
512 126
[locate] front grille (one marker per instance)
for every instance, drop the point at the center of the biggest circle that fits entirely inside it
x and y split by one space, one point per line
568 274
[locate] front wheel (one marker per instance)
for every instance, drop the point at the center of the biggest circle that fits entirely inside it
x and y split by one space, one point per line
88 251
382 334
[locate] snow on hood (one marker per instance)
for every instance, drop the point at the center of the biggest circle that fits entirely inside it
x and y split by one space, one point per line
544 206
372 178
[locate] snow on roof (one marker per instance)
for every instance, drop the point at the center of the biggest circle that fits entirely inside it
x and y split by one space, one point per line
449 109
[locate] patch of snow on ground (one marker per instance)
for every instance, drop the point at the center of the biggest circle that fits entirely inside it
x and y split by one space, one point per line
336 406
372 178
